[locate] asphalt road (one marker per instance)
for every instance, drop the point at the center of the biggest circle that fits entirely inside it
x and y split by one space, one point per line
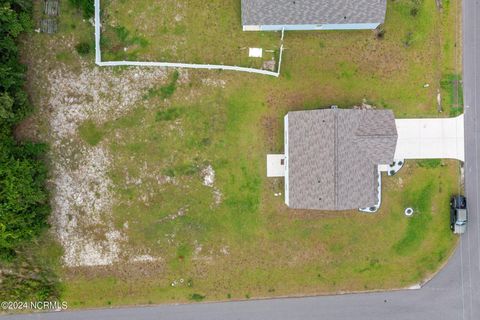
470 242
453 294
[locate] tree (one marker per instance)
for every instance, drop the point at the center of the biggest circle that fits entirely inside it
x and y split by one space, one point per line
87 6
23 198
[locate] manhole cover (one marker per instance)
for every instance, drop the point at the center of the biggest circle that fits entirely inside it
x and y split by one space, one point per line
408 212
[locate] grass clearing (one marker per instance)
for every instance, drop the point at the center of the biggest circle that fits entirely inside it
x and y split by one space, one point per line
225 235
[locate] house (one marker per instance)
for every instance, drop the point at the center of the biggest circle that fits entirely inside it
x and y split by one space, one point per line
333 157
278 15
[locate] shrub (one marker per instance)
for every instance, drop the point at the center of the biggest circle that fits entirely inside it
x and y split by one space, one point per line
168 115
83 48
408 40
87 7
122 33
196 297
23 198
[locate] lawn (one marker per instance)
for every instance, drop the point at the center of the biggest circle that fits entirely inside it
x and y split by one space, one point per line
184 154
194 31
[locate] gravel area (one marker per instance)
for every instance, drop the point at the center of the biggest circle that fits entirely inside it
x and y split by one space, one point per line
82 197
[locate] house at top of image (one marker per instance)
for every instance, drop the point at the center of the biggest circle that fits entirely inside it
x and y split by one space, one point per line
278 15
334 158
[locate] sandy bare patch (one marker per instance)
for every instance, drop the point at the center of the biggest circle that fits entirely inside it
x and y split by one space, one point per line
99 94
208 175
82 197
219 83
145 258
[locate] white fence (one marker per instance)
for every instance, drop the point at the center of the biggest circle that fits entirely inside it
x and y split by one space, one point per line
98 57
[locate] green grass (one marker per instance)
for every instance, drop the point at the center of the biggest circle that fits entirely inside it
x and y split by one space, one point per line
168 114
90 133
65 56
421 199
429 163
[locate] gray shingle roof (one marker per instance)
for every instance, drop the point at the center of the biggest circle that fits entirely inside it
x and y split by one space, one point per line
287 12
333 156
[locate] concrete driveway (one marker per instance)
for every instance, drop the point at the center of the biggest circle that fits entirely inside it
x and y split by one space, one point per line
430 138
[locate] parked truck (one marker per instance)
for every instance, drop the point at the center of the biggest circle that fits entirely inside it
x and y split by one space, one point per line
458 214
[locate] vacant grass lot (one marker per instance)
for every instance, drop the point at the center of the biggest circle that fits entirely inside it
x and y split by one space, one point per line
193 31
230 237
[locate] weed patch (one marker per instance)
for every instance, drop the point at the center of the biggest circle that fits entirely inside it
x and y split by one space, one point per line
167 91
90 133
187 169
86 6
168 115
452 88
